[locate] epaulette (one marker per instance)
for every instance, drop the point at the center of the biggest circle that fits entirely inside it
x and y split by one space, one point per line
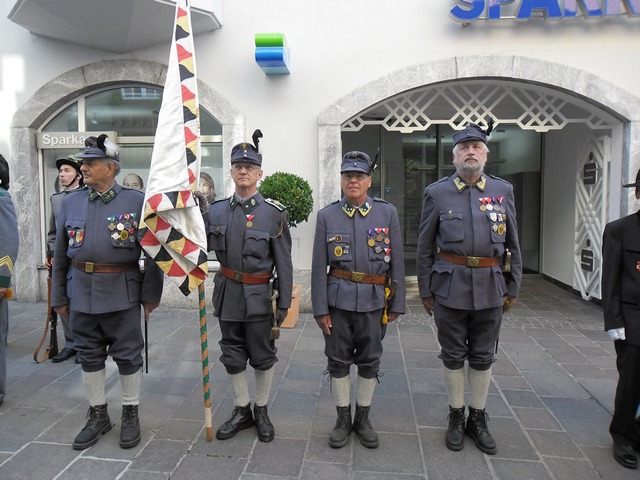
275 203
225 199
378 199
497 178
332 203
443 179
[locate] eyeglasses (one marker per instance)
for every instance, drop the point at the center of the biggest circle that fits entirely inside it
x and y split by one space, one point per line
248 167
359 177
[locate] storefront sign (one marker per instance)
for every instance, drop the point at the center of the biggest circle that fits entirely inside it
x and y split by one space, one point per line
468 10
68 139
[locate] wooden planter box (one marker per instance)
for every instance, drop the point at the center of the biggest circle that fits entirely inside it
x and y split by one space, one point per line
294 312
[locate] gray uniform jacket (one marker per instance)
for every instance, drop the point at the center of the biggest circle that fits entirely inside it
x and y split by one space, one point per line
251 237
9 238
357 243
454 220
92 230
56 205
621 276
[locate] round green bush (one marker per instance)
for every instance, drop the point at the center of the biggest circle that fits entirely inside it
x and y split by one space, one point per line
292 191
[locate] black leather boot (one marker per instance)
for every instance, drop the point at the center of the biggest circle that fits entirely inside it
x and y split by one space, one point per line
98 423
478 430
455 433
130 427
362 427
266 432
240 419
340 433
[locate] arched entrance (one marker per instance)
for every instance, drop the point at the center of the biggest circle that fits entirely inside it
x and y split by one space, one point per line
571 126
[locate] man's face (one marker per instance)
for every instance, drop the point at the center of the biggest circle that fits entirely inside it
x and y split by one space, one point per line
245 175
67 175
355 186
132 181
97 172
470 157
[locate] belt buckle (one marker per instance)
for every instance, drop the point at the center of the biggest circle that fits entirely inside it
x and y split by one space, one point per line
237 276
88 267
473 261
357 277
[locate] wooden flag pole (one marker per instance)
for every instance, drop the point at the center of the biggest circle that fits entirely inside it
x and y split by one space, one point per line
204 347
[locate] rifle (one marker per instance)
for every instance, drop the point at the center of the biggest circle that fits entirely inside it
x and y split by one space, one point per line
50 326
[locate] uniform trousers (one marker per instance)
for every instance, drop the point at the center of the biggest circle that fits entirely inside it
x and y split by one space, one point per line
4 333
356 338
467 335
115 334
624 427
243 342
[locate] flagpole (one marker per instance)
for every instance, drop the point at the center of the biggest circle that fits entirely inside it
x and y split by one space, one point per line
204 347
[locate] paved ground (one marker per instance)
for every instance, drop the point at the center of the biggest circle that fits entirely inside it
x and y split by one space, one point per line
550 405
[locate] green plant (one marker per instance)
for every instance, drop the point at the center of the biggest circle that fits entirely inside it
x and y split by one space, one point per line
292 191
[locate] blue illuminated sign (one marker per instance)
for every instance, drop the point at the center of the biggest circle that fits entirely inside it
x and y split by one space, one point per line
469 10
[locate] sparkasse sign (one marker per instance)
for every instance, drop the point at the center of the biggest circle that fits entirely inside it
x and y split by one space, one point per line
522 10
66 139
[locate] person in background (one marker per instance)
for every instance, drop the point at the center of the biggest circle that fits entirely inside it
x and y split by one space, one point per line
468 227
70 180
207 187
621 309
9 241
358 238
134 181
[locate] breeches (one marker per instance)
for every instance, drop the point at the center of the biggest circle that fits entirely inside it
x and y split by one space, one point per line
247 341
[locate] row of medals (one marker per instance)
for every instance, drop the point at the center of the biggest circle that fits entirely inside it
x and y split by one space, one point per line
377 235
122 230
496 212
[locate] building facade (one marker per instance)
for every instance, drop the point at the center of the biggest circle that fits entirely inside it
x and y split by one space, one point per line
558 77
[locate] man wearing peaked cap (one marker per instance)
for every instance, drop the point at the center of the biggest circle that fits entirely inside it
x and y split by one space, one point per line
468 233
70 179
358 239
98 282
621 309
251 239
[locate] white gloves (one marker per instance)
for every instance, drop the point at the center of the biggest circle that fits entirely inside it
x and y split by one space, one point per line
616 333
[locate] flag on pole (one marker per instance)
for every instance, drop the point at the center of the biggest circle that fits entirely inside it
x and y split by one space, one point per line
175 236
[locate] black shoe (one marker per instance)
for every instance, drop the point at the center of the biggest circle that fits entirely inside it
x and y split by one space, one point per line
362 427
77 360
625 456
340 433
454 439
240 419
65 354
98 423
130 427
478 430
266 432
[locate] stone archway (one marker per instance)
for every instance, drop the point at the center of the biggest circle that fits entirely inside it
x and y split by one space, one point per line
47 100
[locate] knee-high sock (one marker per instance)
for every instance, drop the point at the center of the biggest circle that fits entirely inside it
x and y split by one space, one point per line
478 387
240 389
341 388
263 386
454 382
366 386
94 383
131 388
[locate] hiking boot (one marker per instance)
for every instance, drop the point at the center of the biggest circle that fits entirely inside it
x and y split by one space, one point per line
241 418
340 433
98 423
454 439
362 427
266 432
130 427
478 430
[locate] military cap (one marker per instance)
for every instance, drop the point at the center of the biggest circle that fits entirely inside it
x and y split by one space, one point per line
356 162
71 160
246 152
473 131
99 147
635 185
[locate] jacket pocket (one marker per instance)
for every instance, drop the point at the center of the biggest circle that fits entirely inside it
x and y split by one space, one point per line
215 237
134 286
441 280
75 232
256 243
339 247
257 300
451 228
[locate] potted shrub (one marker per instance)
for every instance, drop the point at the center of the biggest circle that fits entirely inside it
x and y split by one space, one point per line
296 195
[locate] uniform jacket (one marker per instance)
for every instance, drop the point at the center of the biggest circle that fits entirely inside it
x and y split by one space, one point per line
453 220
9 238
251 237
56 205
91 230
621 276
357 243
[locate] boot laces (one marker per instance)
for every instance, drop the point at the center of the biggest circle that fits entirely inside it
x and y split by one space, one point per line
262 416
128 418
456 419
480 418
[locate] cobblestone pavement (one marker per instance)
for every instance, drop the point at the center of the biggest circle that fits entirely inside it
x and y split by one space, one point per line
550 405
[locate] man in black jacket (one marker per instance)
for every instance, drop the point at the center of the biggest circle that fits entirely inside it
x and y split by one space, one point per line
620 298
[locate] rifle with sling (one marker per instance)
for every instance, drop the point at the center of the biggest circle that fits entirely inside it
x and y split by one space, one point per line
51 328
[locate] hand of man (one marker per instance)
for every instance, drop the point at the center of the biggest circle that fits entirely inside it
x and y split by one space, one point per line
324 322
3 292
62 310
202 202
393 316
281 314
616 334
427 303
148 308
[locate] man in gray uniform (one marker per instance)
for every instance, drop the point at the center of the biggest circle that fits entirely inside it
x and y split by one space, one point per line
358 238
96 275
468 226
9 240
70 181
250 236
